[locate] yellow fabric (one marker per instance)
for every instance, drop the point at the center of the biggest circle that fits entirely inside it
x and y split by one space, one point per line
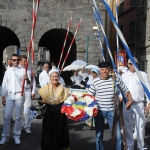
79 106
47 93
65 148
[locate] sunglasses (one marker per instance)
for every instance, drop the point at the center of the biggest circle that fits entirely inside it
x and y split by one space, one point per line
15 60
132 64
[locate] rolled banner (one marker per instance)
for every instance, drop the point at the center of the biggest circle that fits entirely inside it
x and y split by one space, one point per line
95 9
62 52
71 44
31 43
117 36
99 36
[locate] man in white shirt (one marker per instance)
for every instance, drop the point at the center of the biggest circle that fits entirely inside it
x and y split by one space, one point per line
9 63
29 94
133 83
11 98
53 65
43 76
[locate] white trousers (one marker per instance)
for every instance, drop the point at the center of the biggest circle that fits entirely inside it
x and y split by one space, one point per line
138 110
13 101
27 105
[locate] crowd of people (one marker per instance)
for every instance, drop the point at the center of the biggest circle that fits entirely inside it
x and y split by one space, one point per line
98 82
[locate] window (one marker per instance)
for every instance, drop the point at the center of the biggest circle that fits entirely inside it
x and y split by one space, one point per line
132 33
143 30
133 2
144 65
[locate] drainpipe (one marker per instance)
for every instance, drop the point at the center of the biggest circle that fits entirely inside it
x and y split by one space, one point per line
18 51
87 46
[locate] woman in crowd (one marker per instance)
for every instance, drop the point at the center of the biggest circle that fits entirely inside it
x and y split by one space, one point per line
76 80
94 74
55 134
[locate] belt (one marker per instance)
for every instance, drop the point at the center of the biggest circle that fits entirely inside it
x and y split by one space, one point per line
134 102
15 92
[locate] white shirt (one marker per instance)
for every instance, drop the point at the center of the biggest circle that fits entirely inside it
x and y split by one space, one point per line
43 78
76 79
13 80
61 80
32 86
84 75
90 80
7 67
136 89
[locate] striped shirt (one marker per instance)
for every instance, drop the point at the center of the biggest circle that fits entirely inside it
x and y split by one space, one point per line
103 90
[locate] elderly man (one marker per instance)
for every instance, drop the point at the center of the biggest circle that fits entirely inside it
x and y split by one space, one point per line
11 98
133 83
102 88
43 76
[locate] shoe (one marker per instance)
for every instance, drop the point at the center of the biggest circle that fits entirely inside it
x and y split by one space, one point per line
92 128
4 140
28 131
17 140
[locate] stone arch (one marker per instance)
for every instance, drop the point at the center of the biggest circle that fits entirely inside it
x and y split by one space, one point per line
45 28
16 31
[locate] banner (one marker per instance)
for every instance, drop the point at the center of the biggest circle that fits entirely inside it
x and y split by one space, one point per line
121 59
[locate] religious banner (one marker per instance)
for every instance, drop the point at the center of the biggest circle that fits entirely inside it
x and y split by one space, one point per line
121 58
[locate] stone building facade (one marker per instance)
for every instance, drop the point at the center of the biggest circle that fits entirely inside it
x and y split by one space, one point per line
143 35
53 15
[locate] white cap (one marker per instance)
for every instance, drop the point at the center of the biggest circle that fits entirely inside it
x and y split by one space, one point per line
53 70
135 59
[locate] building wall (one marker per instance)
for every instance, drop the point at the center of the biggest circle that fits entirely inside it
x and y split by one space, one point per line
124 22
127 22
135 25
16 15
143 35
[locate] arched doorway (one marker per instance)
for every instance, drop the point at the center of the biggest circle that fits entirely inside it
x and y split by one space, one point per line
7 38
53 40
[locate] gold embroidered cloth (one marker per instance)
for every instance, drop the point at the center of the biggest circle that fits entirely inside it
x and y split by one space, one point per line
47 93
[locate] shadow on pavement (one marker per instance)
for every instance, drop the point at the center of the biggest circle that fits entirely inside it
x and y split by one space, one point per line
28 141
81 137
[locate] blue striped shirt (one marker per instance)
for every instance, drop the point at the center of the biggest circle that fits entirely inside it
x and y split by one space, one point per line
103 90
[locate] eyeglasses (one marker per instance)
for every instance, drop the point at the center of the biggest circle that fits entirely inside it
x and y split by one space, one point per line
131 63
15 60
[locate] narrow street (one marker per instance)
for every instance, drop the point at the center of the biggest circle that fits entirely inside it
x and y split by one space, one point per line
81 138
